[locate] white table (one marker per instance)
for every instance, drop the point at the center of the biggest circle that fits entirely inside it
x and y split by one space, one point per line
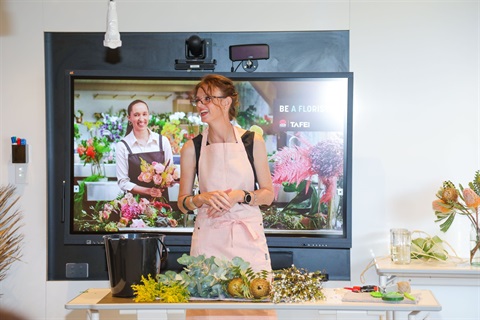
91 301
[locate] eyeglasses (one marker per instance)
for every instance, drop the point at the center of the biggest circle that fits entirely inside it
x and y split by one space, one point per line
205 100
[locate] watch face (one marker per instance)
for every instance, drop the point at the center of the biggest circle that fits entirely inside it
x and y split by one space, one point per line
248 197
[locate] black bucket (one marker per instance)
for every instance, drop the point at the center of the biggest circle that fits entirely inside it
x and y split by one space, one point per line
131 256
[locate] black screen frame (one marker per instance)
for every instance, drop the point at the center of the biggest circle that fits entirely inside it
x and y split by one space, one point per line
154 53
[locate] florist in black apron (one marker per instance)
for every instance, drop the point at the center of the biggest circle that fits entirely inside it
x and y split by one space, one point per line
140 142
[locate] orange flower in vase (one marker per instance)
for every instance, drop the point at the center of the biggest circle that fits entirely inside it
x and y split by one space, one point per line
472 200
463 201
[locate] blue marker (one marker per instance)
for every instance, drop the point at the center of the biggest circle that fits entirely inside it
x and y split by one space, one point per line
14 140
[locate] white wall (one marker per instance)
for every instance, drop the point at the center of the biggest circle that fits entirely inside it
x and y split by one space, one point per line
416 66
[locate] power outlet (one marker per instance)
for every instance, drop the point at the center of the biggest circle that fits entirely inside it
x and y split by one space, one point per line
76 270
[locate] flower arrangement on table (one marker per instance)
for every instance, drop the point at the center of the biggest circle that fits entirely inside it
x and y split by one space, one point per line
128 211
139 213
297 167
222 279
132 211
92 151
463 201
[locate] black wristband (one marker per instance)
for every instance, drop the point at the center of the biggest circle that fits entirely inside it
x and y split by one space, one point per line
184 204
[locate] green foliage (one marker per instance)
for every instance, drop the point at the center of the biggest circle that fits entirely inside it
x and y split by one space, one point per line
303 202
447 219
247 117
81 186
475 184
428 248
157 121
304 211
76 131
207 277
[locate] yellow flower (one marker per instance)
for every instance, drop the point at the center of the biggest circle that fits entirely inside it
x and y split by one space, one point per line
174 293
147 292
472 200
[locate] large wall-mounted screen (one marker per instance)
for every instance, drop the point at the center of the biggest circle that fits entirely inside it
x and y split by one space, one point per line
304 118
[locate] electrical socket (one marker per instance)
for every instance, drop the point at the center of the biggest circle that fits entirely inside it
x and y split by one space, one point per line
76 270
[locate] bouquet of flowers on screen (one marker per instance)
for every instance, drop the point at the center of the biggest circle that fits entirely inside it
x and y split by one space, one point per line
133 212
162 175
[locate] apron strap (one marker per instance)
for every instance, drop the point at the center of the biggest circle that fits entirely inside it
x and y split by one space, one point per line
160 141
128 147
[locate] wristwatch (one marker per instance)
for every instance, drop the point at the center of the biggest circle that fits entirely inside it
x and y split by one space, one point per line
248 197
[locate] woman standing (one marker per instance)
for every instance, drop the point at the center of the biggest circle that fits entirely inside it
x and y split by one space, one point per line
140 142
229 222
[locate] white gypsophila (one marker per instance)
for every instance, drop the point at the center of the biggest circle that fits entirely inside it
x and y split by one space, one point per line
177 116
294 285
194 119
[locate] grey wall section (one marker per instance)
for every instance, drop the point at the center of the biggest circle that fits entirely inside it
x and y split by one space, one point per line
312 51
324 51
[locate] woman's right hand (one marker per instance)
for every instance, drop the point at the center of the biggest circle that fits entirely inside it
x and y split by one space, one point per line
155 192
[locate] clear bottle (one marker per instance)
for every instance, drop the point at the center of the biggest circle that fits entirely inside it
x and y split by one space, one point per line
400 245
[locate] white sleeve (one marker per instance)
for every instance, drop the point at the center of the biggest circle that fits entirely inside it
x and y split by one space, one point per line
121 157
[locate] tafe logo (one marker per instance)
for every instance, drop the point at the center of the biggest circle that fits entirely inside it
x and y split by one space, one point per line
295 124
282 123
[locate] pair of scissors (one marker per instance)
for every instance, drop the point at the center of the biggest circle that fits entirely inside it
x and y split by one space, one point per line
369 288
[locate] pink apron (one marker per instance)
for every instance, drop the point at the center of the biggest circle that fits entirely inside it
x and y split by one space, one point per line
240 231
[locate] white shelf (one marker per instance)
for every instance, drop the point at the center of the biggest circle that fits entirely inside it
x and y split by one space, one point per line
441 272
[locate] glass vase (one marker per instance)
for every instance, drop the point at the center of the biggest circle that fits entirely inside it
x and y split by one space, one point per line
98 169
475 246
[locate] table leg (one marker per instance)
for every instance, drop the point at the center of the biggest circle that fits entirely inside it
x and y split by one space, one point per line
383 281
414 314
390 315
93 314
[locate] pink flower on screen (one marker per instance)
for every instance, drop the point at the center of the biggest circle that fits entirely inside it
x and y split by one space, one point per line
157 179
292 165
138 223
159 168
130 212
146 176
